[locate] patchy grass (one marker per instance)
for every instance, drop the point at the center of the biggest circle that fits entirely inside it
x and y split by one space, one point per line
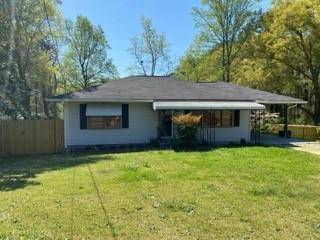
224 193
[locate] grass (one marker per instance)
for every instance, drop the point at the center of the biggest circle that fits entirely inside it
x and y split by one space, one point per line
225 193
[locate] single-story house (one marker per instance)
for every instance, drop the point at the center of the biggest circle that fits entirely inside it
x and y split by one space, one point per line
137 109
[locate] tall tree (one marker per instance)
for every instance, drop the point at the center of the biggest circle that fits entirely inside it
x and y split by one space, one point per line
27 66
291 37
225 24
86 62
7 20
150 51
197 65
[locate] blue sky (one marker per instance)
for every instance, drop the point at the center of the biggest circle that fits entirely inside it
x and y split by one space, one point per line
120 20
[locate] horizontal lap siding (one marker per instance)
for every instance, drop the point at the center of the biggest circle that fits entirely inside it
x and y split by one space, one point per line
226 135
143 122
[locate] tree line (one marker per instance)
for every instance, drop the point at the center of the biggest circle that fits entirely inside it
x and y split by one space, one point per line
43 54
277 50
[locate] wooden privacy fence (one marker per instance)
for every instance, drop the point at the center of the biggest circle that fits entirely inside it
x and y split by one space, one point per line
31 137
300 131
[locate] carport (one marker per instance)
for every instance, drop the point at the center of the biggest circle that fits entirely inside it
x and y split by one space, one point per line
286 105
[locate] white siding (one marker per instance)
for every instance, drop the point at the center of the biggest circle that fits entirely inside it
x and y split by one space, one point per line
143 123
226 135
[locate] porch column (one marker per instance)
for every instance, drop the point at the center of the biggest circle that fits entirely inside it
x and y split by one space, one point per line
259 131
285 127
255 127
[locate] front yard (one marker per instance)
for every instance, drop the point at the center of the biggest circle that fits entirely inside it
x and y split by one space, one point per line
224 193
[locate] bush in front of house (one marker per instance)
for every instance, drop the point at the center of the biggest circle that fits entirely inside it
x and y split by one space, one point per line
187 126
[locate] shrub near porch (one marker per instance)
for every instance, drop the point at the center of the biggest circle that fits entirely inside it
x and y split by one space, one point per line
226 193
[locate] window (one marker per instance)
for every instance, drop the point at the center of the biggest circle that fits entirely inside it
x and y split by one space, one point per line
217 118
104 116
211 118
105 122
227 118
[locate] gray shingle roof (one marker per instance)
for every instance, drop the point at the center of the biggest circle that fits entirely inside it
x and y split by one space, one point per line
171 88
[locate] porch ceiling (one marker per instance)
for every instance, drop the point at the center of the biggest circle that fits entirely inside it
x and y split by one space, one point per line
172 105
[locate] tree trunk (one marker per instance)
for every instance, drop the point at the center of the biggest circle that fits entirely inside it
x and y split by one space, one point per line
316 117
227 63
223 61
228 70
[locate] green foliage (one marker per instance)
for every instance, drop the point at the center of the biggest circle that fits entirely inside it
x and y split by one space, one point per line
279 53
28 58
86 62
197 65
290 38
225 25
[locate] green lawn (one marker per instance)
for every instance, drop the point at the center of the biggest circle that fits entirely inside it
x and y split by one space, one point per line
224 193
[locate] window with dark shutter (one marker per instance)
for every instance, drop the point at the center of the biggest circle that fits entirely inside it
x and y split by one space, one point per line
125 116
83 118
236 118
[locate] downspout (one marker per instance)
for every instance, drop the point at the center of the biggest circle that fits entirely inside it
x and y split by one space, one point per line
286 111
214 129
259 139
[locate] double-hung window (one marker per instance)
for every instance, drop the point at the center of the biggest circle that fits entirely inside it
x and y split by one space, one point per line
103 116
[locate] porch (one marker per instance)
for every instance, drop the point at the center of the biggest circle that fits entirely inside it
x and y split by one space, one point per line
215 126
221 122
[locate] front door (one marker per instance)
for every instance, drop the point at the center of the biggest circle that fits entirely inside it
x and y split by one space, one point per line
166 123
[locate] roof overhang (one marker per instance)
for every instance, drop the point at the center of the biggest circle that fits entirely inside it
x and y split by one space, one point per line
194 105
297 101
95 100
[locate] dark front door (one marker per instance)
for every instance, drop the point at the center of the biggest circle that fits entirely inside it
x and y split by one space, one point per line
166 123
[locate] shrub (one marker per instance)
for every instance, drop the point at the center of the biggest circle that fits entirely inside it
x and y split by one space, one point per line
154 142
187 125
188 119
243 141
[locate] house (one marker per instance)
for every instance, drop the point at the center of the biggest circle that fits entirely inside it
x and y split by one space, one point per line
137 109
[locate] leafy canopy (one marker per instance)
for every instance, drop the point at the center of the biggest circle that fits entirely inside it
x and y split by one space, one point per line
86 61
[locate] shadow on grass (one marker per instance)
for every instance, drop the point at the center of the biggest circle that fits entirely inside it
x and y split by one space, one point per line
20 172
212 147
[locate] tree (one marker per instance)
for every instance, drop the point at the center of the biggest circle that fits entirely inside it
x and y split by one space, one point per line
86 62
150 51
291 37
198 65
225 24
26 67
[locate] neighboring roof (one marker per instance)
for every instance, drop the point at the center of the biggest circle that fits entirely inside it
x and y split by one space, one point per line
201 105
142 88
